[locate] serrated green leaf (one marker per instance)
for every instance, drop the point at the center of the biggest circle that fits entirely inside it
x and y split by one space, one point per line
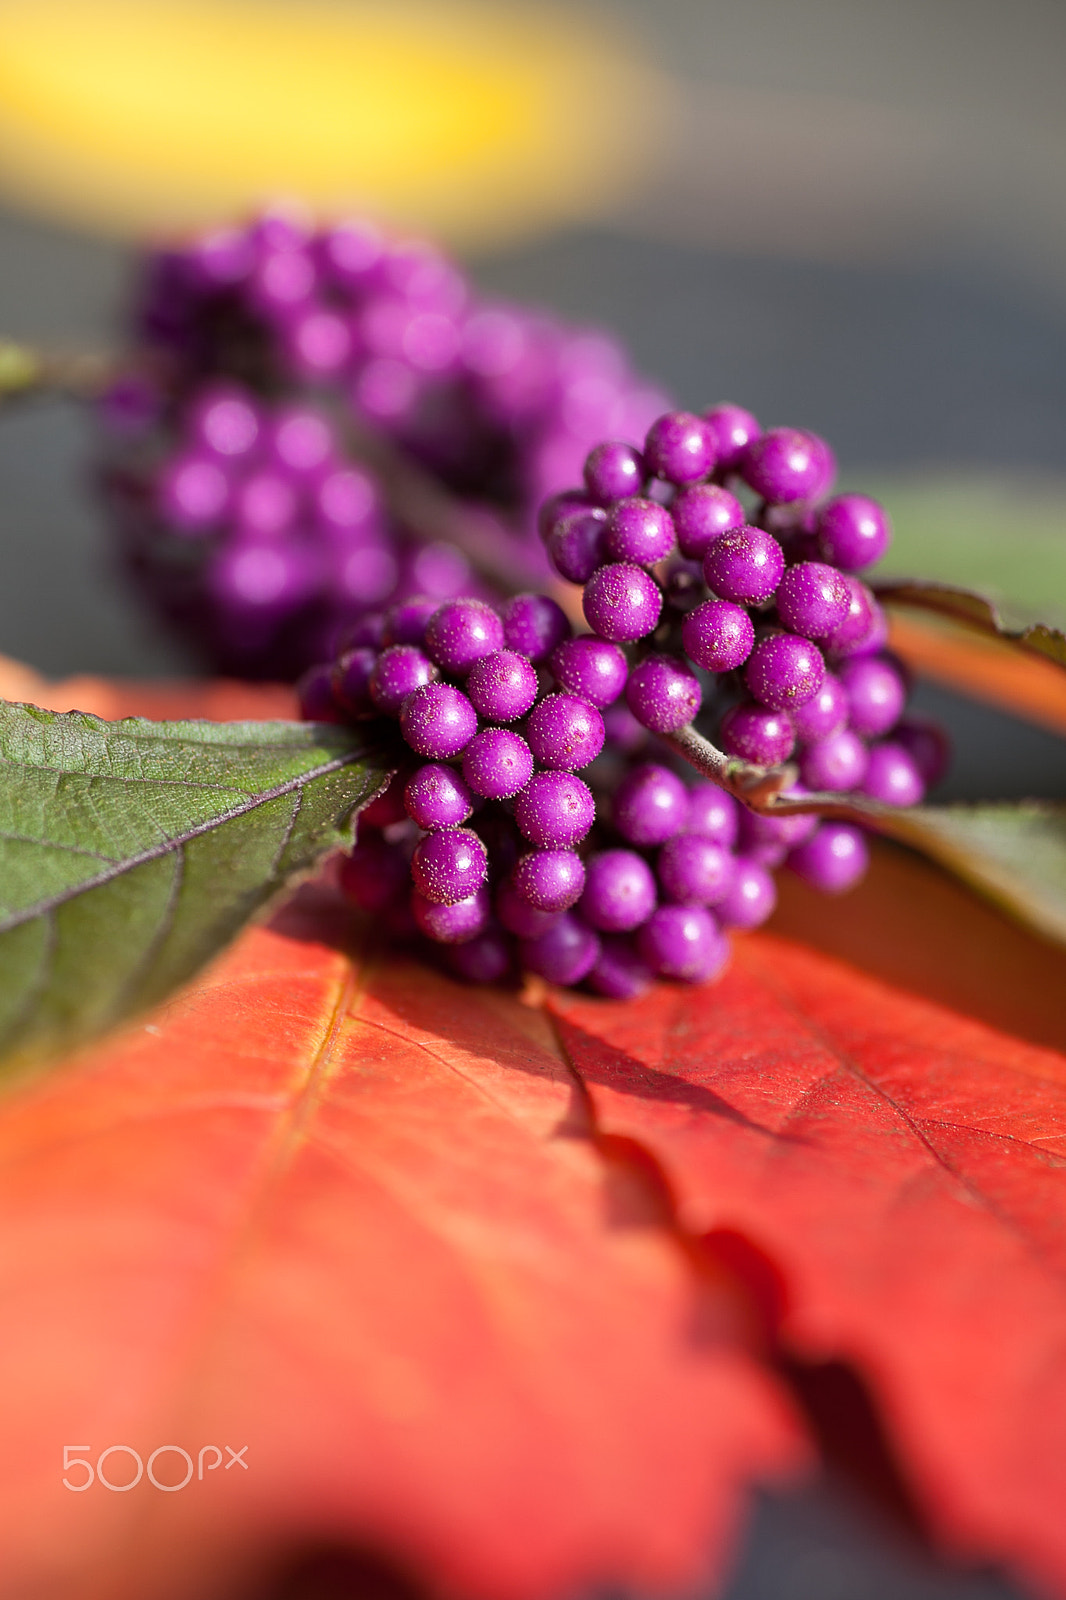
131 852
976 611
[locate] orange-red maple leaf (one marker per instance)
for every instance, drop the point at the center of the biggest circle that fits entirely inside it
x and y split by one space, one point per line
901 1163
369 1223
350 1216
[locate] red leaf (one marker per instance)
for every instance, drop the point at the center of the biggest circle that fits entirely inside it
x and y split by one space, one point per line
392 1253
899 1162
351 1217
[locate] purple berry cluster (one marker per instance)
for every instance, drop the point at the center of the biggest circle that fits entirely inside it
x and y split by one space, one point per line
489 843
242 514
719 587
714 555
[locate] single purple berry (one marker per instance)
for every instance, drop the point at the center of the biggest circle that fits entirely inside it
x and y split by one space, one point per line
437 721
788 464
250 579
549 880
317 696
590 668
619 972
620 891
449 866
833 859
695 871
405 622
301 442
518 916
784 670
713 813
555 810
718 635
622 603
744 565
318 343
683 943
837 763
563 955
346 503
853 532
193 494
497 763
350 251
752 897
283 282
614 470
575 545
892 776
680 447
640 531
650 804
928 746
436 797
823 714
864 629
226 423
454 923
702 513
812 599
533 625
398 672
460 632
351 682
502 687
757 734
265 504
733 429
484 959
564 733
876 694
663 694
559 506
374 874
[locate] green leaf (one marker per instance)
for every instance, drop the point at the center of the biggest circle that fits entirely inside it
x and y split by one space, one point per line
131 852
977 611
1012 852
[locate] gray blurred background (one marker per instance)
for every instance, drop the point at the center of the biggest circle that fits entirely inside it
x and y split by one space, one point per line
857 225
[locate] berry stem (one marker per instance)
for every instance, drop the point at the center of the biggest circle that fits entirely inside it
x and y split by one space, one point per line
432 514
760 788
29 373
756 787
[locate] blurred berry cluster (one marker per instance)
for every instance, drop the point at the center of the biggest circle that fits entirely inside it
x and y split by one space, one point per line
259 356
719 587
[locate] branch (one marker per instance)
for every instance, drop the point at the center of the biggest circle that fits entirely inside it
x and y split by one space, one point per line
761 789
757 787
411 494
27 373
416 499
